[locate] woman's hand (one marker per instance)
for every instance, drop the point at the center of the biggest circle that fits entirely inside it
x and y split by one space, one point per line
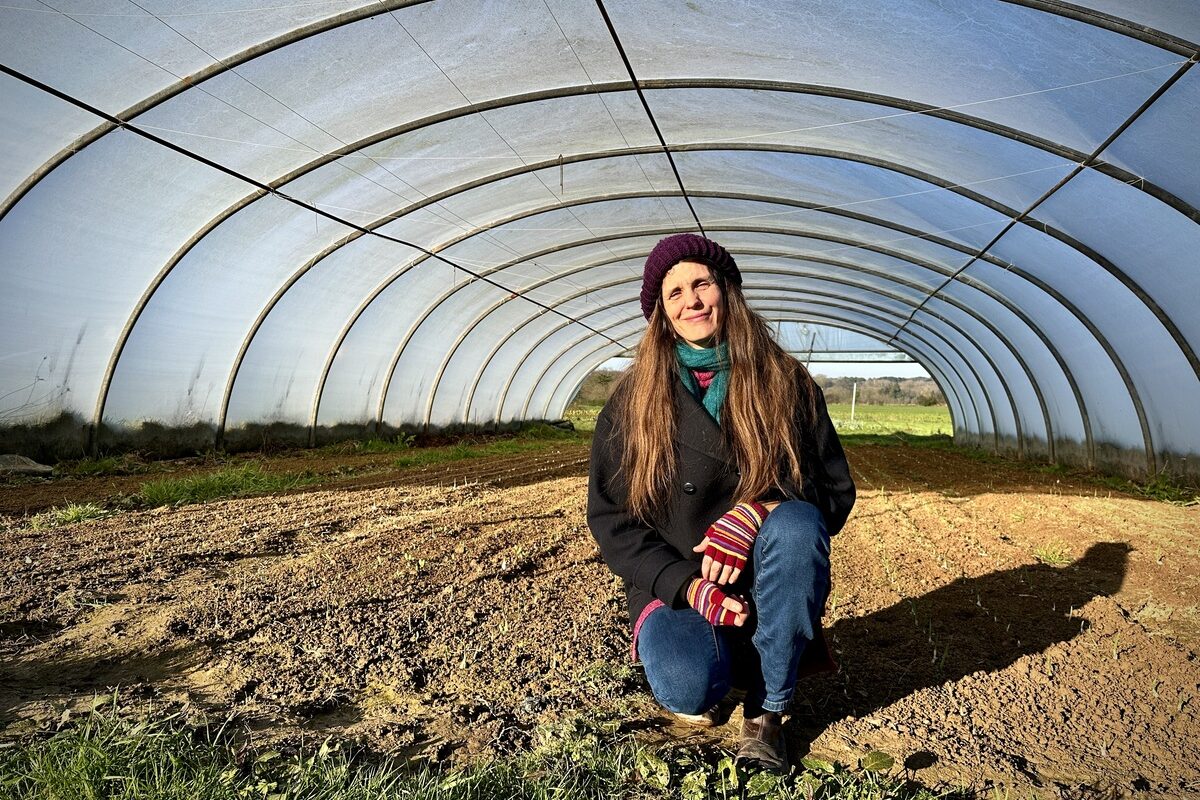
727 544
714 570
716 606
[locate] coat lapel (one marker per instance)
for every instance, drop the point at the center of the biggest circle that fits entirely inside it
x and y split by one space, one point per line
697 430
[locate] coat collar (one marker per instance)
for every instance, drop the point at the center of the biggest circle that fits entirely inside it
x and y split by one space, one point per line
697 430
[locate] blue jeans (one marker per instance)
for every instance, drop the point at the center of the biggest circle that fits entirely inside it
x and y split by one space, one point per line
691 665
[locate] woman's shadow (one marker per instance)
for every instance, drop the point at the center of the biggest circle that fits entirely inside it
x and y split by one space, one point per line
984 623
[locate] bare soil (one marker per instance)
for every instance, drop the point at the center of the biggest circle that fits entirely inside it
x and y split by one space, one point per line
445 612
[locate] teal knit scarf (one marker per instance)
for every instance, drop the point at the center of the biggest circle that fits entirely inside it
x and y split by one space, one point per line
709 359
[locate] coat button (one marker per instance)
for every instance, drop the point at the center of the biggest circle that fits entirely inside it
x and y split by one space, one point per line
689 488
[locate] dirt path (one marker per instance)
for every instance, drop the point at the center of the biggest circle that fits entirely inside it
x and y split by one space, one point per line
446 611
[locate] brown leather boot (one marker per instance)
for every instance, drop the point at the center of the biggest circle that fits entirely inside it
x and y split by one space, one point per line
762 745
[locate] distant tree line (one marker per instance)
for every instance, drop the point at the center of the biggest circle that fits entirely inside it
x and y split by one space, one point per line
882 391
871 391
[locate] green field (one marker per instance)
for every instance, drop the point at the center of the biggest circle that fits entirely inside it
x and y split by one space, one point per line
874 420
880 419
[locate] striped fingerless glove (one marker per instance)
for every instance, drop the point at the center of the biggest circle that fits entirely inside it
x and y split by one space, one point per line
731 537
708 599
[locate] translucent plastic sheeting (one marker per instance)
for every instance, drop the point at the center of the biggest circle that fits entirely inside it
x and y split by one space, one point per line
935 329
984 320
573 296
370 75
443 160
44 125
305 325
1110 410
546 230
1045 368
844 237
359 366
1153 244
1011 172
1013 390
529 374
483 327
1008 62
887 195
1176 17
512 352
797 337
415 372
481 47
859 279
559 380
899 263
1161 145
961 380
1137 338
60 43
64 53
183 347
76 254
521 198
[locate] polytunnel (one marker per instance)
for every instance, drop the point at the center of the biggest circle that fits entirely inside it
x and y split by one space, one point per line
334 218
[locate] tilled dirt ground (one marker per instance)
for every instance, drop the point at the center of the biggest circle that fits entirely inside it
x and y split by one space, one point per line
446 611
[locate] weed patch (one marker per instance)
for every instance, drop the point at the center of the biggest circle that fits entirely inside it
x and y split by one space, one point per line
67 515
1161 487
1054 554
234 481
108 754
393 444
534 437
126 464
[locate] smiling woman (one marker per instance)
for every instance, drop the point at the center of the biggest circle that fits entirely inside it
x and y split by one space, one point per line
716 482
693 302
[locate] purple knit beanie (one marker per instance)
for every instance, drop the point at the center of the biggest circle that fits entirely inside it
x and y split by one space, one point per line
683 247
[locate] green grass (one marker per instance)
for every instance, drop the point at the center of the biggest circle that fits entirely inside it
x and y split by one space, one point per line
126 464
394 444
1161 487
110 755
869 420
67 515
1054 554
883 420
583 415
232 481
534 437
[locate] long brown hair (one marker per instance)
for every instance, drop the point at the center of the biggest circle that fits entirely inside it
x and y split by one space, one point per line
769 405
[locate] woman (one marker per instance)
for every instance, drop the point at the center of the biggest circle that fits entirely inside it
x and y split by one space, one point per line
716 482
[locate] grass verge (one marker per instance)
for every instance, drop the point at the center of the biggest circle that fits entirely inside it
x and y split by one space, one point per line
233 481
108 754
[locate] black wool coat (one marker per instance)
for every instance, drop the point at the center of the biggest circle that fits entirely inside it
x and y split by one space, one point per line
657 562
